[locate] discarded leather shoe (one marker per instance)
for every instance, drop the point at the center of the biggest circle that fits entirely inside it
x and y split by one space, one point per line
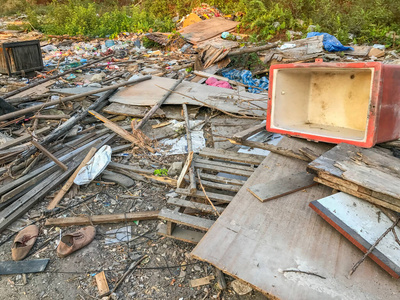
24 242
74 241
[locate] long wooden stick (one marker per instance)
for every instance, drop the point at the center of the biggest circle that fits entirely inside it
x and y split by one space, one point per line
192 178
70 98
118 130
373 247
272 148
103 219
127 273
49 155
158 105
204 191
70 181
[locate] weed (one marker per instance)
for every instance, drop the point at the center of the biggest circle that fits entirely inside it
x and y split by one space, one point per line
161 172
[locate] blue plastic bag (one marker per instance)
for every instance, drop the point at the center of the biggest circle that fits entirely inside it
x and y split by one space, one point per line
331 43
245 76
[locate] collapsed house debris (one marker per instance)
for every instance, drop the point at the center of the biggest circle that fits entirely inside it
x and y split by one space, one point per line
140 160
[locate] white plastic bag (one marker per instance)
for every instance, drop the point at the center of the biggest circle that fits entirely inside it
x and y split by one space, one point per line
95 166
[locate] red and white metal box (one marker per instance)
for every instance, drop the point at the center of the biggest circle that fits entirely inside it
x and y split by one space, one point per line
354 103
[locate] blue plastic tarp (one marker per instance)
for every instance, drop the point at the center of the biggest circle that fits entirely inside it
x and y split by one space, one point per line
245 76
331 43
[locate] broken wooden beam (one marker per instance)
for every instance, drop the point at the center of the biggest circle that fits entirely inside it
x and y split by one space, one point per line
103 219
192 178
23 138
120 131
158 105
49 155
272 148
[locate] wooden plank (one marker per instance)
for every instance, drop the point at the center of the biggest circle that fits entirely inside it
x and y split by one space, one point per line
183 219
201 281
220 186
207 29
213 196
272 148
222 179
23 138
23 266
147 93
49 155
257 242
185 169
218 164
245 134
362 224
103 219
102 284
251 159
355 193
192 178
120 131
169 112
370 171
214 166
282 187
181 234
70 181
195 205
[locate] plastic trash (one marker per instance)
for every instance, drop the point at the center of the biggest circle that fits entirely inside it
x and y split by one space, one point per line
379 46
331 43
95 166
109 43
287 46
219 83
256 85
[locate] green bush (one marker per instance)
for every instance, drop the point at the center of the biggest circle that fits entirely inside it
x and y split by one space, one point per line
361 21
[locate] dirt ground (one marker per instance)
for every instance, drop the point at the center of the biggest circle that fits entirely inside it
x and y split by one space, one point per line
165 273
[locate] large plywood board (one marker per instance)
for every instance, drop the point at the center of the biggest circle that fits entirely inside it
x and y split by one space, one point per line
266 244
207 29
149 92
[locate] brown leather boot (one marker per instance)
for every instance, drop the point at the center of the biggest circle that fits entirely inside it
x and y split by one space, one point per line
24 242
74 241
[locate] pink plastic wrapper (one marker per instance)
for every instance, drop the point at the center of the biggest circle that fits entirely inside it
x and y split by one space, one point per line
215 82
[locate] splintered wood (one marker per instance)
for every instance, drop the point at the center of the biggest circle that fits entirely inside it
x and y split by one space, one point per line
369 174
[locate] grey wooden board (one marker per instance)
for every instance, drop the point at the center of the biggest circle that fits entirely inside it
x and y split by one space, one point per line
194 205
148 93
373 169
212 167
212 196
169 112
282 187
232 156
222 179
181 234
364 223
77 90
183 219
23 266
256 241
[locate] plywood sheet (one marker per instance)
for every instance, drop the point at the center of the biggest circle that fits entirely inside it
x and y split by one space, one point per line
207 29
148 93
282 187
262 243
363 224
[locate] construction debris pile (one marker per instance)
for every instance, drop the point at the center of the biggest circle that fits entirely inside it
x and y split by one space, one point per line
280 181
